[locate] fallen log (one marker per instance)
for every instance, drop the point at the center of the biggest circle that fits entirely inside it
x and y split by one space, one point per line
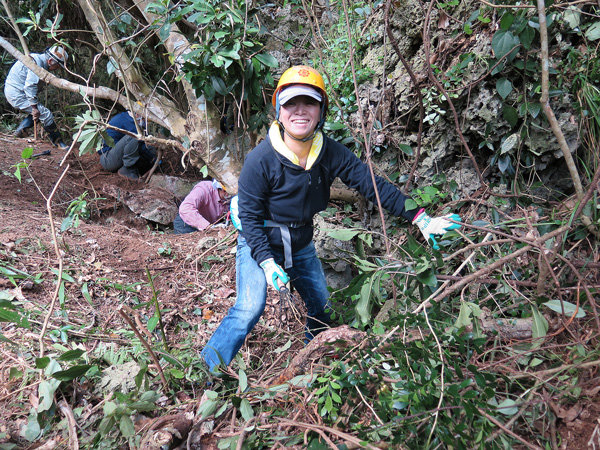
323 344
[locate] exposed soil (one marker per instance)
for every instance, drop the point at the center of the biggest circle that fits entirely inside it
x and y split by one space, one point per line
194 274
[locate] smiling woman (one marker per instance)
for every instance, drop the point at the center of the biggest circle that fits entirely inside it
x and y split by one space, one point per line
285 181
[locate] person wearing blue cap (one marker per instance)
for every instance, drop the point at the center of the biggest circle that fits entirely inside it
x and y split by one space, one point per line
206 203
128 156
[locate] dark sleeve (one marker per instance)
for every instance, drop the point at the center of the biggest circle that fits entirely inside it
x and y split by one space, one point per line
356 175
253 191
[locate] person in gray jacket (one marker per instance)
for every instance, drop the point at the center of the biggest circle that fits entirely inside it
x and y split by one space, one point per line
21 90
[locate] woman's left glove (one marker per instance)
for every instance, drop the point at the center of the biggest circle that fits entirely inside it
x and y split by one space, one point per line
435 227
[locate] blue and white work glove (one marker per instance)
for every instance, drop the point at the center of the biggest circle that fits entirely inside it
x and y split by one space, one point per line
273 273
435 227
235 213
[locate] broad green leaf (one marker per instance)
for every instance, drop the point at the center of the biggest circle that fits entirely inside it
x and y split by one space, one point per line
243 381
268 60
71 355
570 308
410 204
86 293
363 306
572 16
406 149
246 409
526 37
143 406
46 391
219 85
539 327
344 234
27 152
428 278
503 42
506 21
152 322
467 309
72 372
109 408
207 408
504 87
510 115
593 32
7 340
508 407
126 426
509 143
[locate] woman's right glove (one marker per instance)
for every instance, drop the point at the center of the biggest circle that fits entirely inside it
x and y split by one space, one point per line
274 272
435 227
235 213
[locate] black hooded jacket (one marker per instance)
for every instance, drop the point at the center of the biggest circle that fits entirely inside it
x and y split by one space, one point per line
271 187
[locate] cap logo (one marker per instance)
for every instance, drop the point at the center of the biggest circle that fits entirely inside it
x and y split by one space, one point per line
304 72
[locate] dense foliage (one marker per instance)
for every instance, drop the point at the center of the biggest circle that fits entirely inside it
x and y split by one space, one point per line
478 345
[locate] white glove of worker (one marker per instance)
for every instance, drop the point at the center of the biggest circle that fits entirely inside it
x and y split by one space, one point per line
435 227
274 272
235 213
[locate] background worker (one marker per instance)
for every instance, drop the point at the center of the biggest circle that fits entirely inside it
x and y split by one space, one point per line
206 203
21 90
128 156
284 182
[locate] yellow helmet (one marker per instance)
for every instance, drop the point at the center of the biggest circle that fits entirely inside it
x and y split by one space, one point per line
301 75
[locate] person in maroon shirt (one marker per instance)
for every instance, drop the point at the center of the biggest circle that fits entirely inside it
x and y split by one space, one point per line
202 207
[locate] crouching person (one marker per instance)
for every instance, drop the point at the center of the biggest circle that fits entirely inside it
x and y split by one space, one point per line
203 206
129 156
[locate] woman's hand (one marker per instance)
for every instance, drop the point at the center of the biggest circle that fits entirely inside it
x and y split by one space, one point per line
273 273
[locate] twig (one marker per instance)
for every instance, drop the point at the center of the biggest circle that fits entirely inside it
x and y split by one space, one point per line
240 442
507 431
121 310
487 269
60 261
554 370
157 309
417 87
545 101
71 423
314 427
438 85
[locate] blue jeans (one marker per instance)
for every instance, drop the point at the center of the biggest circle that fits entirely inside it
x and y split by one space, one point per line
180 227
306 276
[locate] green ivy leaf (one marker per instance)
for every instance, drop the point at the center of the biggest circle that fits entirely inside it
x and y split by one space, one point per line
503 42
510 115
504 87
406 149
509 143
